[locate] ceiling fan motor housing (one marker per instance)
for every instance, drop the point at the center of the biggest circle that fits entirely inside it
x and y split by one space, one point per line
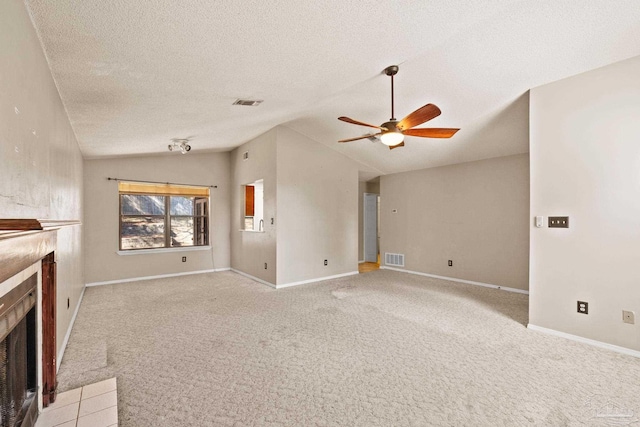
391 126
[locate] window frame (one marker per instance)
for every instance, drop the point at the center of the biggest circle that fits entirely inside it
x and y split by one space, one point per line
167 217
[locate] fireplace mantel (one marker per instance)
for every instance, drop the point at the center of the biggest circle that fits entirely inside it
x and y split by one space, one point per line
24 242
27 224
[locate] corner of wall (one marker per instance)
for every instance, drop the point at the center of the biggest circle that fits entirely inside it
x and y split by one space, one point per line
584 165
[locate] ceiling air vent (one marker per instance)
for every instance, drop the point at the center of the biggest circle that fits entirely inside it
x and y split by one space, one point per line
248 102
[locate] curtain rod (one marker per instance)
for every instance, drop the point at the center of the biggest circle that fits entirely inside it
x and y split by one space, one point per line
159 182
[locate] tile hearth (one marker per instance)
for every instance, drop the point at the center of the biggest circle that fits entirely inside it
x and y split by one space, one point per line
94 405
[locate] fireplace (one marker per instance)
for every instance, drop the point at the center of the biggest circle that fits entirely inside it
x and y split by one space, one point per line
18 355
27 318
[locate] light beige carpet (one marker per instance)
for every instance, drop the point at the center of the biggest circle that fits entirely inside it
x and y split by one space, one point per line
377 349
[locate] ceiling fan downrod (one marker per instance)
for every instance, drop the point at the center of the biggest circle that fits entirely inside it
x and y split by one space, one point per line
392 71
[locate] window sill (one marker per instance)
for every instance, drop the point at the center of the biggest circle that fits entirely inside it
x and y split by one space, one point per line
163 250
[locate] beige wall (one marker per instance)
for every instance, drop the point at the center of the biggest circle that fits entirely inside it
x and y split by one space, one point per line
585 163
317 209
102 263
472 213
373 186
40 162
251 250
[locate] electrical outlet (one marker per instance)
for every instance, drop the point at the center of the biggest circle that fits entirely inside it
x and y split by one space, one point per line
265 265
184 259
628 317
450 263
583 307
271 221
326 262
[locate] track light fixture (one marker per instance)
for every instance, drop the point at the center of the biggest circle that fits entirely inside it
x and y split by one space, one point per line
182 144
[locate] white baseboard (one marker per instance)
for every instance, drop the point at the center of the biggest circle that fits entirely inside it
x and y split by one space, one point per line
68 334
361 261
264 282
583 340
160 276
453 279
319 279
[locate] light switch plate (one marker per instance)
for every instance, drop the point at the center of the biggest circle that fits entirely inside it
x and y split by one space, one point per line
558 222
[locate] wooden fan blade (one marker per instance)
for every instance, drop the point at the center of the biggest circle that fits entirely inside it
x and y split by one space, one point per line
391 147
355 122
359 137
431 132
421 115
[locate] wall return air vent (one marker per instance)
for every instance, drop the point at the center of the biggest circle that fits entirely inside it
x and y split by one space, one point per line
396 260
248 102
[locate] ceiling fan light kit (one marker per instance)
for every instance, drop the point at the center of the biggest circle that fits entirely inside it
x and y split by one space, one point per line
392 135
391 138
392 132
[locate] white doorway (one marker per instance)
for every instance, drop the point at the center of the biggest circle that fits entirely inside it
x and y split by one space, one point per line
370 227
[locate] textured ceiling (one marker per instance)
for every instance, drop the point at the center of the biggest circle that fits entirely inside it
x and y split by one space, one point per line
134 74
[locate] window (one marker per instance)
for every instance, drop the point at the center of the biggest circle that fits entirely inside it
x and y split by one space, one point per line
163 216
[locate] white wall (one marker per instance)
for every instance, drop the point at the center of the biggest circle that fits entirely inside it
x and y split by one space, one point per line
102 263
40 162
317 208
474 214
585 164
251 250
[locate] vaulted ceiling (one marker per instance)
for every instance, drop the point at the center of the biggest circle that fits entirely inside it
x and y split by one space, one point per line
135 74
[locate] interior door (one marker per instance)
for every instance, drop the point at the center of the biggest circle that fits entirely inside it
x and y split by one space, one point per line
370 227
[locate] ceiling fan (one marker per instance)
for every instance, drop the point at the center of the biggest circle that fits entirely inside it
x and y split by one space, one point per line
392 132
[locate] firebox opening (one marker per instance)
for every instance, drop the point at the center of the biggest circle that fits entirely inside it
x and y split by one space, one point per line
18 356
